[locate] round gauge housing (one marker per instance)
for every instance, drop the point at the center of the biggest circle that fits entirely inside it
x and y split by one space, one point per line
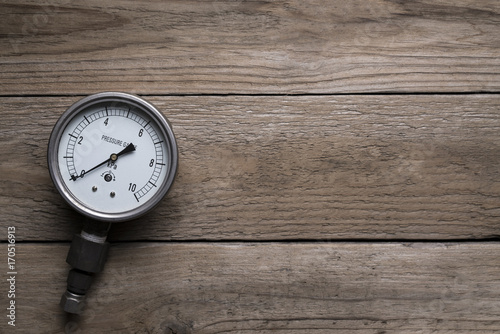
112 156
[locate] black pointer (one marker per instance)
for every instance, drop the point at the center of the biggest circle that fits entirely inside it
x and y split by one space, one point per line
113 157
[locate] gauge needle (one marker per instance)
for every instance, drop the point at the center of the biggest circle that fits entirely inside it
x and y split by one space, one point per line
113 157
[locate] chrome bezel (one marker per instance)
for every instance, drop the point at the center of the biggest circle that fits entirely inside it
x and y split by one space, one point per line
112 97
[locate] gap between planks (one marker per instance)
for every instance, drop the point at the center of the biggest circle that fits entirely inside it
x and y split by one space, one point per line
381 93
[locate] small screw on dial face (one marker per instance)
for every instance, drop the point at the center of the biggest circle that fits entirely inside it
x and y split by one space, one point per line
119 144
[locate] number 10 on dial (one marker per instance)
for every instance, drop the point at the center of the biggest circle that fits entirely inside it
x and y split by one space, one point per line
112 156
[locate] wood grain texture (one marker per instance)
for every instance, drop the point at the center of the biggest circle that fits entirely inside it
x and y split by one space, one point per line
192 47
280 144
268 288
276 168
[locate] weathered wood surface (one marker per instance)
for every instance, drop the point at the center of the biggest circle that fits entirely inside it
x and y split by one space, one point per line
274 168
268 288
269 151
60 47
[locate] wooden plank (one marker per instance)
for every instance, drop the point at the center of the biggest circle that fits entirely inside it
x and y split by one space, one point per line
274 168
264 288
58 47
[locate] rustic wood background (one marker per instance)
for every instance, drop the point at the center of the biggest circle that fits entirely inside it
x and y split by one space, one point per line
339 164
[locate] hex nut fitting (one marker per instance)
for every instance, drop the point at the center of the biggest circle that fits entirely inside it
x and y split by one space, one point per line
72 303
87 255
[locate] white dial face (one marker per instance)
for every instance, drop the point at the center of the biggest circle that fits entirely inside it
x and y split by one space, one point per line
113 157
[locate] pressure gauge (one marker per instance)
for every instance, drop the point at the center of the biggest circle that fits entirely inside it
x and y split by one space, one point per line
112 156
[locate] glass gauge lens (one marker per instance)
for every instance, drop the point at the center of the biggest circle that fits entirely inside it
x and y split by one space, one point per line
112 156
